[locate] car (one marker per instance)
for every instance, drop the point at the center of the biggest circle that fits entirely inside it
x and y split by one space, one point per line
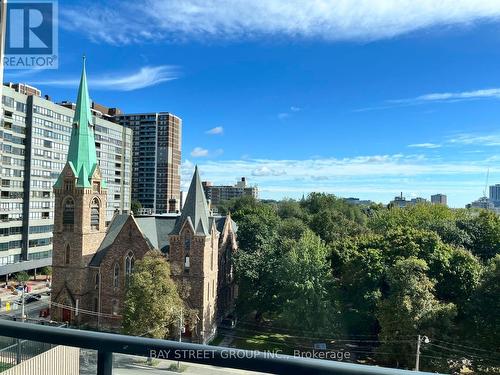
33 298
229 322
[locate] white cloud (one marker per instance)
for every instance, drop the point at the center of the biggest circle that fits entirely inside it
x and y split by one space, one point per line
215 131
283 115
147 20
425 145
450 96
266 171
295 109
145 77
475 139
199 152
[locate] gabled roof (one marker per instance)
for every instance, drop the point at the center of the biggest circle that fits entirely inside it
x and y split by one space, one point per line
158 229
81 153
195 208
114 229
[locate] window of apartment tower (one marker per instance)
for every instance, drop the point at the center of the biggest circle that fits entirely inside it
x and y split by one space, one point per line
116 275
68 214
94 214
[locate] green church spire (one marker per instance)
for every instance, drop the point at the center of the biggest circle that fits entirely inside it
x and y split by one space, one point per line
81 153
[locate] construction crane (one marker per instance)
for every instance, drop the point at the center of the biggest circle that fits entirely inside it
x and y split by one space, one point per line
486 183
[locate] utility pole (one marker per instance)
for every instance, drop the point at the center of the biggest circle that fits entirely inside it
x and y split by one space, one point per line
181 322
420 339
22 303
417 361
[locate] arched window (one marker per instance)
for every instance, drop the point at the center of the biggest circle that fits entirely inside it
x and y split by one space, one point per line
187 248
67 255
114 307
116 275
129 266
212 259
97 278
68 214
94 214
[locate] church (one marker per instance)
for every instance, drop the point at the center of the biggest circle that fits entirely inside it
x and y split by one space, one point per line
92 261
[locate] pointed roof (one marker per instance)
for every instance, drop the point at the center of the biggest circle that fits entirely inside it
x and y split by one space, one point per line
81 153
195 208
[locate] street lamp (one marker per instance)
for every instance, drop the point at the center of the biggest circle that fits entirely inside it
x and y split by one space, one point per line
420 340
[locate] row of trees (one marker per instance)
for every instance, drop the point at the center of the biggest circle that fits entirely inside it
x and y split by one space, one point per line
327 268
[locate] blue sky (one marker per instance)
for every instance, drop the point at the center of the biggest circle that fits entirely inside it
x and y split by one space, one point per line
355 98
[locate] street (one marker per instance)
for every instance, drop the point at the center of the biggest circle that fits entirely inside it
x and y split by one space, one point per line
32 309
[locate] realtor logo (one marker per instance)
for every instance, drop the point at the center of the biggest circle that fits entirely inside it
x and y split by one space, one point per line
31 35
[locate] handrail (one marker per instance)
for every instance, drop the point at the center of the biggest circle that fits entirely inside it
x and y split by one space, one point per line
108 343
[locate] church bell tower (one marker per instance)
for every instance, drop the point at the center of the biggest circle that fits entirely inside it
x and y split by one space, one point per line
79 214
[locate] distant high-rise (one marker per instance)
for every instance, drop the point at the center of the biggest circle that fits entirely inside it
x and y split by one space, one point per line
495 194
156 172
439 199
220 193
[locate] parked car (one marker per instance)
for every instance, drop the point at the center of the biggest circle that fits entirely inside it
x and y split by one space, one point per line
228 322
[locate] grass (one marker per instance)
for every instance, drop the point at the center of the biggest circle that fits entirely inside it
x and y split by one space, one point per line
217 340
263 341
148 362
5 366
176 368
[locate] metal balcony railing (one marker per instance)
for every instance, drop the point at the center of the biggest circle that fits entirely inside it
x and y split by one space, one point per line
106 344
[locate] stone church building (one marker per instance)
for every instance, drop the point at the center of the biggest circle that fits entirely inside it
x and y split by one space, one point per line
92 261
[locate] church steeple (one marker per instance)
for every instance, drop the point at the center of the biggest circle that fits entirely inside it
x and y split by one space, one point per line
195 208
82 155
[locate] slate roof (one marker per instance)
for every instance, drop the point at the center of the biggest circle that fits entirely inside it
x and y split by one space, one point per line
158 229
195 208
114 229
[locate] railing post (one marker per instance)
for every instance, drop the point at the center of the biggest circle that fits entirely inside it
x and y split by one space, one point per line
104 363
18 351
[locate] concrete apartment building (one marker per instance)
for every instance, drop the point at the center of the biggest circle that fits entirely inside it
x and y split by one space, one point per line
219 193
439 199
156 173
34 140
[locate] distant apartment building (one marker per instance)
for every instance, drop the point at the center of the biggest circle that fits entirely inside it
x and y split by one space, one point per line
439 199
219 193
156 172
483 202
401 202
25 89
34 140
495 194
358 202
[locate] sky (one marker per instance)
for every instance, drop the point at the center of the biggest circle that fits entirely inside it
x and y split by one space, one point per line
365 98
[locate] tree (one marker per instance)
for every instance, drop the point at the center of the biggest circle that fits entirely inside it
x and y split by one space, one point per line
22 277
410 309
152 303
135 207
308 283
484 230
484 307
360 267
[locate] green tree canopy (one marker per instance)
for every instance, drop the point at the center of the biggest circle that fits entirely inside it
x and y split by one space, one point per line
152 303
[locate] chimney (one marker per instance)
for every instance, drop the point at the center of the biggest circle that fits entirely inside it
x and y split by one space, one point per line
172 203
